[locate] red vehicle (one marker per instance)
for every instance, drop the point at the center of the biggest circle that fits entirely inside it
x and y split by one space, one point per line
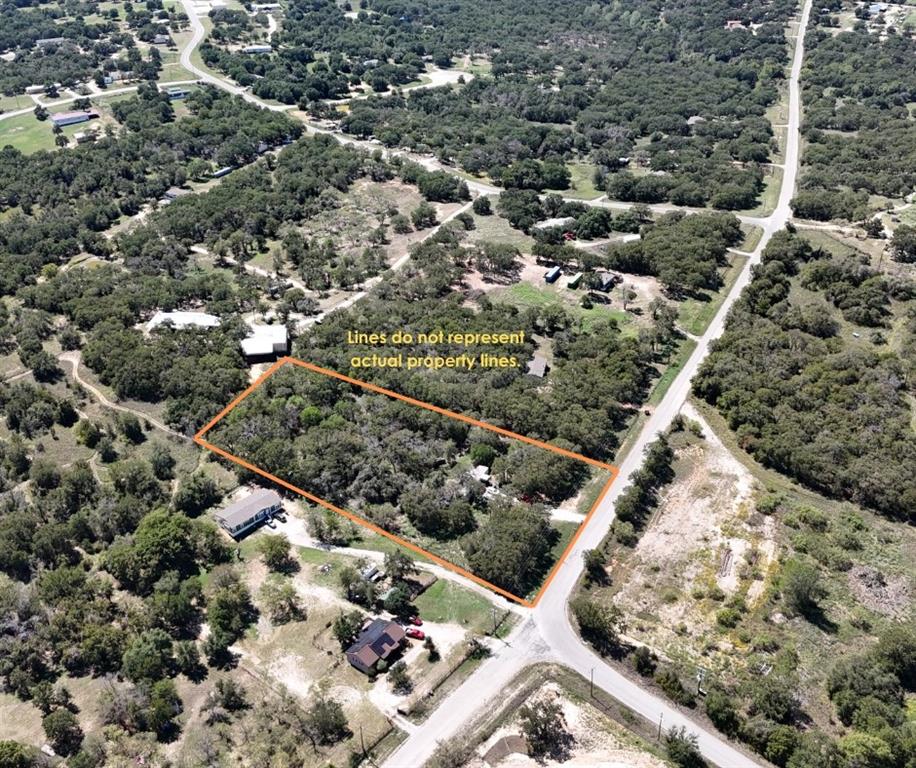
416 621
416 634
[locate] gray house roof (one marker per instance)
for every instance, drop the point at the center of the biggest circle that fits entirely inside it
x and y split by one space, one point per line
245 509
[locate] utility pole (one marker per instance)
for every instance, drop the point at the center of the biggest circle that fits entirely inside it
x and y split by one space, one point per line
660 716
591 687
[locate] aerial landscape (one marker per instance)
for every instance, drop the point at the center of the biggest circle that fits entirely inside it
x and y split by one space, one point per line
468 384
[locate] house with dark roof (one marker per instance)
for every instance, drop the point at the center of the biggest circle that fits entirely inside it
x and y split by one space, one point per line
378 640
248 512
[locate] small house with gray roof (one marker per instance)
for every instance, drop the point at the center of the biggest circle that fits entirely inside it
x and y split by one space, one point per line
246 513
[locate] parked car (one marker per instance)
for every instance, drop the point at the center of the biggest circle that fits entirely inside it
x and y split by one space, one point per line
416 621
416 634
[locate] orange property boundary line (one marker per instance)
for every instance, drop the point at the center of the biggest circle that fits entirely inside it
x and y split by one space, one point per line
199 439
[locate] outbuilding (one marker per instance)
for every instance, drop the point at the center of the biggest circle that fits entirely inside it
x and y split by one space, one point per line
60 119
552 275
265 341
183 320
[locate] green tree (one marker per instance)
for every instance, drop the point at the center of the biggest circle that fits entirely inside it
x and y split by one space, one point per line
423 216
163 709
597 624
903 244
682 748
399 678
802 588
280 600
866 750
545 730
347 626
399 565
275 551
15 755
594 566
63 731
148 656
326 722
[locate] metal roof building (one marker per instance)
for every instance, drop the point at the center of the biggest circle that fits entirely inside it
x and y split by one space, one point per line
266 341
183 320
248 512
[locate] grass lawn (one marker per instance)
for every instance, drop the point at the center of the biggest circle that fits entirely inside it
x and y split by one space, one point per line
582 183
12 103
685 350
496 229
446 602
26 133
174 72
752 236
771 183
820 239
525 295
695 315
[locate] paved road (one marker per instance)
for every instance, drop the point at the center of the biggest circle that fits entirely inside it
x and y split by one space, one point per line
551 618
197 35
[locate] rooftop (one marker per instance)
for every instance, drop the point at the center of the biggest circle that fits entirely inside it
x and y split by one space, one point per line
183 320
243 510
265 340
377 641
537 366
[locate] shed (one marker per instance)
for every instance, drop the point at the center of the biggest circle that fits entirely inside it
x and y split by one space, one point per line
257 48
481 473
47 42
607 281
248 512
574 281
173 193
537 366
220 172
563 221
552 275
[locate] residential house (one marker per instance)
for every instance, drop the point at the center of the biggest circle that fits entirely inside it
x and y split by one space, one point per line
378 640
245 514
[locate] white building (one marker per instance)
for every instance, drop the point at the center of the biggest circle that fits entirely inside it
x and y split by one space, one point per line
265 341
183 320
